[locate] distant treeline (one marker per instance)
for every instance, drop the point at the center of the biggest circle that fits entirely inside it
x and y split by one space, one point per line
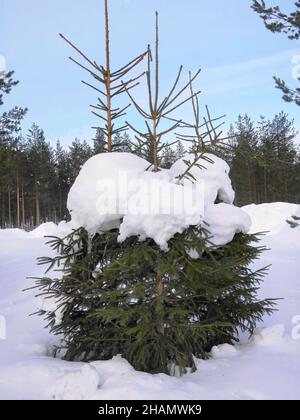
35 177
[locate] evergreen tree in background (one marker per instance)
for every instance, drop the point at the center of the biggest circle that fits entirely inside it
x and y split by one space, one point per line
109 83
79 153
244 145
62 180
263 156
295 222
264 160
180 150
279 156
158 309
99 142
278 22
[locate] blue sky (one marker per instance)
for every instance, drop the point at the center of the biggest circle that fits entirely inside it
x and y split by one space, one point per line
238 56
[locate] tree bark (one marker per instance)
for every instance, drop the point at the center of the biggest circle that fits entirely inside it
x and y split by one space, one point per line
9 209
37 208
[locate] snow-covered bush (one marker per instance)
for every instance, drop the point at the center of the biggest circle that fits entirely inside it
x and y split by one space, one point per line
169 289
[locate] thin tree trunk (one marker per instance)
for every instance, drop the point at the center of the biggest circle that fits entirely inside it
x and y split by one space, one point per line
60 204
154 112
160 291
9 209
249 182
18 199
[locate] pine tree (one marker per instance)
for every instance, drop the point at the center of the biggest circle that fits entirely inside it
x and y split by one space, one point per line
111 84
111 302
99 142
282 134
6 84
121 142
169 156
157 309
244 143
277 22
41 163
180 150
150 143
62 181
79 153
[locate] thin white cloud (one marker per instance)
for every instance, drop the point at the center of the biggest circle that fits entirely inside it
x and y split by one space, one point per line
244 74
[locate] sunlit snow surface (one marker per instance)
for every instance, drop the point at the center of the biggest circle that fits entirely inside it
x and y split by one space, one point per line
266 367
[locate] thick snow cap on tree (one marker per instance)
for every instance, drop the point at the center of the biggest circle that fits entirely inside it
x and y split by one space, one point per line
125 180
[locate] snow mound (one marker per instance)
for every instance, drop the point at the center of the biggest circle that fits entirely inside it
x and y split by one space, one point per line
104 170
50 304
255 372
116 190
269 336
270 217
297 214
45 229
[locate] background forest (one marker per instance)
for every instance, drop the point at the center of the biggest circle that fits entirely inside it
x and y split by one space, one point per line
35 177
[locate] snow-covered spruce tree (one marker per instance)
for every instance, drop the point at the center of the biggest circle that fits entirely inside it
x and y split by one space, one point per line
157 288
111 303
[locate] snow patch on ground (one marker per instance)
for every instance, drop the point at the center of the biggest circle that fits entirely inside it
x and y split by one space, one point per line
224 221
270 217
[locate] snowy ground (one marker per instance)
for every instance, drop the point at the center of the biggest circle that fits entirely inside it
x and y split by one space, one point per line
268 367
